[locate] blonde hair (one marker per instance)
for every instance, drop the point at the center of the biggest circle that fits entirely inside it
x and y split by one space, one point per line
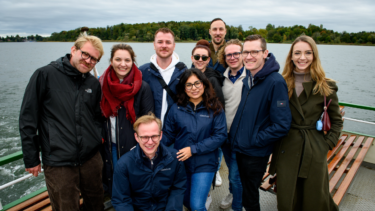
221 53
147 119
95 41
316 70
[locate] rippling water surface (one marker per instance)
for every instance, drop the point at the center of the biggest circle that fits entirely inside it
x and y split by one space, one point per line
351 66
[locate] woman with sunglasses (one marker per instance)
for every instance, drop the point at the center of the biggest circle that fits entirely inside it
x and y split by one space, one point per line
196 125
125 97
300 159
200 56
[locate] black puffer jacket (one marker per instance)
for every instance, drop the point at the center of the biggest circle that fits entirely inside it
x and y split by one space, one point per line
60 113
125 140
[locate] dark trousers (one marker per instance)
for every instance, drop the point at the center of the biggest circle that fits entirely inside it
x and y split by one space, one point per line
251 173
64 183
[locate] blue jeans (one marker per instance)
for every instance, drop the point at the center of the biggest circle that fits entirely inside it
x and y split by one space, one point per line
198 186
114 155
235 186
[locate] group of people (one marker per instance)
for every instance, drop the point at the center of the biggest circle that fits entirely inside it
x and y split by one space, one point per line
153 137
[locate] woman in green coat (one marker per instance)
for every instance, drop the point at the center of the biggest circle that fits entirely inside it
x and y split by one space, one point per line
300 158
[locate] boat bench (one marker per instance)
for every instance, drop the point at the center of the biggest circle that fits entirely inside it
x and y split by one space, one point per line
40 202
343 163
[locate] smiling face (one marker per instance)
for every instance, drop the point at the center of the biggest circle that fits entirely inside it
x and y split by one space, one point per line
164 45
122 63
149 147
83 65
235 64
200 64
195 93
218 32
254 63
302 56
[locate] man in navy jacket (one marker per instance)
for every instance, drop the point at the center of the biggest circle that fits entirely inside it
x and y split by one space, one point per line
164 66
263 117
149 177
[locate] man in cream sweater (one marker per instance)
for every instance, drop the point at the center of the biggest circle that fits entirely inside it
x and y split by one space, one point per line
230 56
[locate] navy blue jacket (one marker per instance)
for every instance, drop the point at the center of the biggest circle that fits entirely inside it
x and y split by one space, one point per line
198 129
150 74
263 116
137 187
217 66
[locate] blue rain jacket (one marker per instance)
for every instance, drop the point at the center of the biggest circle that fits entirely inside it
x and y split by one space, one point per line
263 116
137 187
197 128
150 74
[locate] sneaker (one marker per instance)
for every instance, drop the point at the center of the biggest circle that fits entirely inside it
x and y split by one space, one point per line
227 201
218 181
208 202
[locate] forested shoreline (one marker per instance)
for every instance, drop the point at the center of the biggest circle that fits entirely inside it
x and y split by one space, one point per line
187 31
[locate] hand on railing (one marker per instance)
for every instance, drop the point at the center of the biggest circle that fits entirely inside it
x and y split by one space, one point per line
35 170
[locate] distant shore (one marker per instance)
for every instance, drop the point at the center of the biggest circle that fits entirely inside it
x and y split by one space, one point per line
288 42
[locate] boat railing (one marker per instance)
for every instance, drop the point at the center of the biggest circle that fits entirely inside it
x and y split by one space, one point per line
18 155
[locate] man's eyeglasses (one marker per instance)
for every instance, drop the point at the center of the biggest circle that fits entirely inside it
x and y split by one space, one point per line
298 54
197 84
235 55
86 55
197 57
253 53
154 138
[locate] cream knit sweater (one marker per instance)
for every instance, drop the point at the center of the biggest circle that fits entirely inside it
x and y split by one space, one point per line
232 95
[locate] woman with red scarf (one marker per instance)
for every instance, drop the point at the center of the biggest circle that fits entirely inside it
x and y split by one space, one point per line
125 98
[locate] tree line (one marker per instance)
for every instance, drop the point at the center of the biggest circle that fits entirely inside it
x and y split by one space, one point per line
194 31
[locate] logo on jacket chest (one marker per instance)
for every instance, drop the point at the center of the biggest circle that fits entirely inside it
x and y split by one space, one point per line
88 91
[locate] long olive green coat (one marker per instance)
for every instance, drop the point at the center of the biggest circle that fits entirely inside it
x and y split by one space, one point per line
300 158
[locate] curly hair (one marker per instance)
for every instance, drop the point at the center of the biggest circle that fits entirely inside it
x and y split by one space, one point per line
221 53
210 101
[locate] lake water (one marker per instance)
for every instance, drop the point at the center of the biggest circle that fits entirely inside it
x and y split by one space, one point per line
351 66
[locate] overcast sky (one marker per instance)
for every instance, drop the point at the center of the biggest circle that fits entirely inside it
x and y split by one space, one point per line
44 17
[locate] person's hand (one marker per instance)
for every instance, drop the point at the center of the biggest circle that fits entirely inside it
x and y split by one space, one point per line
184 154
35 170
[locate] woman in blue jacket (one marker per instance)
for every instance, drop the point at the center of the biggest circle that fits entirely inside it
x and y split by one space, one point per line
125 97
196 125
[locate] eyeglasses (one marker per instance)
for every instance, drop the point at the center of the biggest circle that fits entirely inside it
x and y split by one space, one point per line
197 57
298 54
236 55
253 53
197 84
154 138
86 55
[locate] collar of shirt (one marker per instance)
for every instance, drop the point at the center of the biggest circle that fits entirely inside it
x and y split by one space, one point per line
234 78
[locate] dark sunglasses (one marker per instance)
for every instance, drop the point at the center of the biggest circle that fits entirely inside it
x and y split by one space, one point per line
197 57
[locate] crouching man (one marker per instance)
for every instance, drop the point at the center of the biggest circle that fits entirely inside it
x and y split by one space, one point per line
149 177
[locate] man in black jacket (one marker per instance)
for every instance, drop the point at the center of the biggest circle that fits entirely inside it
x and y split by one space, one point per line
60 114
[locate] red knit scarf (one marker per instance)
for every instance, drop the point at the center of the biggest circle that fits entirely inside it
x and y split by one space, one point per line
116 94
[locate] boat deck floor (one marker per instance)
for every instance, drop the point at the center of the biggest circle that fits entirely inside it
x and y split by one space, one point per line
360 195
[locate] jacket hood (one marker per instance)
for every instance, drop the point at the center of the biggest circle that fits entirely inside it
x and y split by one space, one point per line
175 60
64 66
270 66
213 73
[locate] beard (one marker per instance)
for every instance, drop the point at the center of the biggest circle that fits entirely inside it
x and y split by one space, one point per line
218 43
